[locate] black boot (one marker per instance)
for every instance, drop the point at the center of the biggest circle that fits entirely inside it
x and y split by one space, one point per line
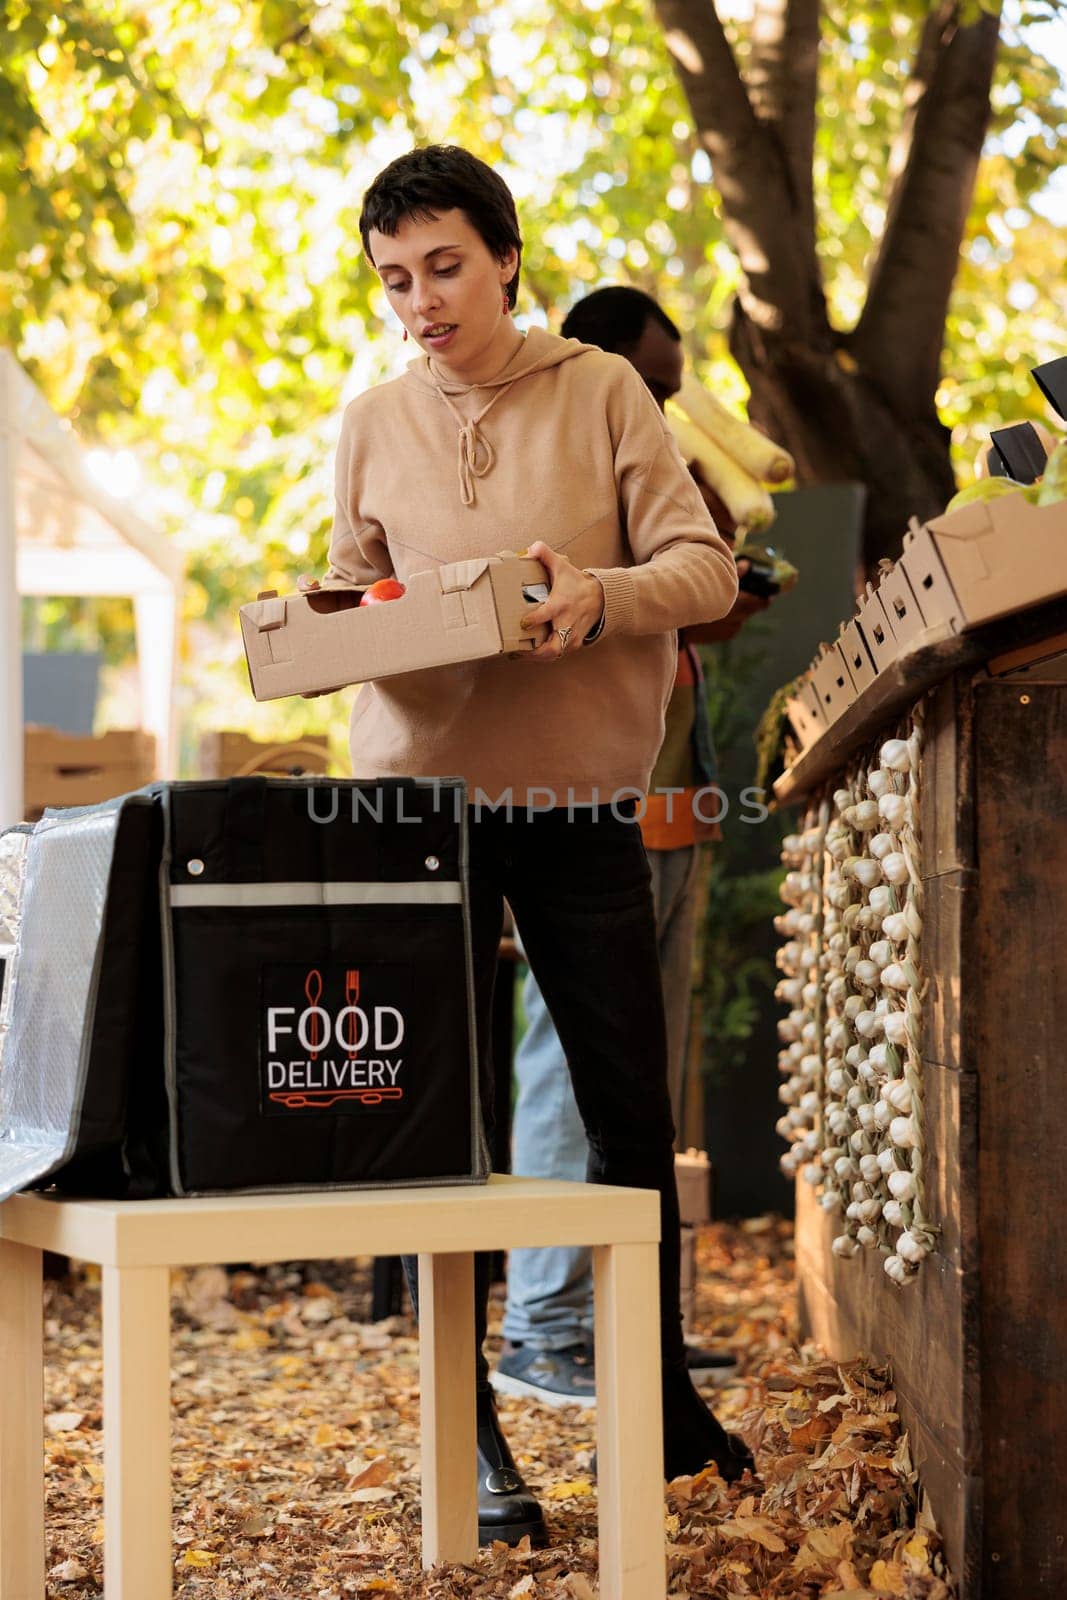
693 1436
506 1508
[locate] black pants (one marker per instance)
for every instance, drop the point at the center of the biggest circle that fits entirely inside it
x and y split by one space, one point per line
579 887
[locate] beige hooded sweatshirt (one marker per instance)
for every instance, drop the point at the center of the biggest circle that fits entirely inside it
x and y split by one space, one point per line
565 445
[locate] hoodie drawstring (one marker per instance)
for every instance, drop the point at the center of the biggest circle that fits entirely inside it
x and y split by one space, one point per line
476 454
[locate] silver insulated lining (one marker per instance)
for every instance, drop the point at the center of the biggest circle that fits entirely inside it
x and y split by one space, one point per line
13 845
45 1014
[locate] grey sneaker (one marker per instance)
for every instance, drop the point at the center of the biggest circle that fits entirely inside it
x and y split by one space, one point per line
554 1377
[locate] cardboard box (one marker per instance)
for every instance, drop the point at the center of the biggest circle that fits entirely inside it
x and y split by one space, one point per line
853 647
466 611
876 629
227 753
70 769
901 607
806 716
997 556
834 687
929 582
692 1174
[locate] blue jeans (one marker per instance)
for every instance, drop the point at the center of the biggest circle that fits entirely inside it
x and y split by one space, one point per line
550 1291
579 887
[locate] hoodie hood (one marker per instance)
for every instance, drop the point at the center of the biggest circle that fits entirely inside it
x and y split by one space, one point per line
539 350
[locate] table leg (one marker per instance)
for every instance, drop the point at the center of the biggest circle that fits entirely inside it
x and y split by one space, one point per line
21 1424
629 1422
446 1358
138 1563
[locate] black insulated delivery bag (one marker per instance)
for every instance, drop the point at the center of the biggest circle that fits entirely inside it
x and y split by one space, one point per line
280 997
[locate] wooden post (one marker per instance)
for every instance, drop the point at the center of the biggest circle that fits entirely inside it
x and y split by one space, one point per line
633 1563
137 1504
446 1364
21 1424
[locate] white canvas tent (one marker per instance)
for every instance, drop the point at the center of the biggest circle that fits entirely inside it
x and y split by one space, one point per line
62 534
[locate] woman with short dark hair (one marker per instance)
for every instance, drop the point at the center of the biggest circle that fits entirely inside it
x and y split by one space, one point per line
490 441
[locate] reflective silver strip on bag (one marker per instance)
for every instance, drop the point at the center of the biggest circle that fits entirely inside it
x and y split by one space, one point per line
49 1011
194 896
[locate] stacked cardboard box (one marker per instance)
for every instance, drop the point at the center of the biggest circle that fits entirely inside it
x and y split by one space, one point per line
958 571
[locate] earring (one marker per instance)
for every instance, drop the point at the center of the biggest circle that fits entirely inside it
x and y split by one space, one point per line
405 335
507 304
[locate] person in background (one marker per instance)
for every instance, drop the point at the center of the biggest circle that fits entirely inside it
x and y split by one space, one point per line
549 1314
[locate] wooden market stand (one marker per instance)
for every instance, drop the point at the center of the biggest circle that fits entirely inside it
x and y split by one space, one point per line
977 1341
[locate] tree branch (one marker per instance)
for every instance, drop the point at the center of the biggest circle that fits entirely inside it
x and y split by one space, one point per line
899 337
780 292
782 76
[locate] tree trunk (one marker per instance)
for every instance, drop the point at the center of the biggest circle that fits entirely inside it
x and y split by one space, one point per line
856 405
839 424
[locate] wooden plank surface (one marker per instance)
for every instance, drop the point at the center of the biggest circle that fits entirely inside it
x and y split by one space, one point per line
948 913
22 1541
446 1382
138 1559
633 1557
1021 751
504 1213
946 810
949 1100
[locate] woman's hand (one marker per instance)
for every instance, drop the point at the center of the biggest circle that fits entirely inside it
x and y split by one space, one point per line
574 606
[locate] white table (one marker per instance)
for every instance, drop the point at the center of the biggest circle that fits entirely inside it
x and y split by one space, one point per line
137 1242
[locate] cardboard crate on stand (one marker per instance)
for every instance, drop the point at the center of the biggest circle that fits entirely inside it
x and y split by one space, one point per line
986 560
228 753
692 1172
67 769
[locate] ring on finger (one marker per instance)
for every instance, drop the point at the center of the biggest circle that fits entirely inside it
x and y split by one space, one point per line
564 638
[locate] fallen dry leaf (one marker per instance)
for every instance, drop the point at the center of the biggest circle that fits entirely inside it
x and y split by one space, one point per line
64 1421
255 1526
823 1546
199 1558
580 1587
379 1471
569 1489
888 1577
759 1529
68 1572
917 1553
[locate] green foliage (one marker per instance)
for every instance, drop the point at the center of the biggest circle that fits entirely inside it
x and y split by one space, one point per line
179 255
739 979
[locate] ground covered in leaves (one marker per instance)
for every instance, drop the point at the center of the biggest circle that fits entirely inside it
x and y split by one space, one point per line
296 1451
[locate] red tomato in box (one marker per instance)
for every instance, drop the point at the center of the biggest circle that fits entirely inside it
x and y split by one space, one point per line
384 589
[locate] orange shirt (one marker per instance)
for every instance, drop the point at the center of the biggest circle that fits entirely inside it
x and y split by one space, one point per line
670 821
